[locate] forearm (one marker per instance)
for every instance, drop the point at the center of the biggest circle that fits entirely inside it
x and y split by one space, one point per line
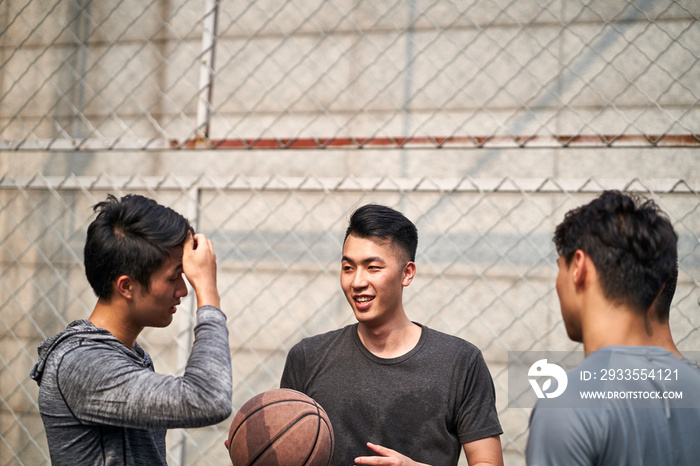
208 384
103 386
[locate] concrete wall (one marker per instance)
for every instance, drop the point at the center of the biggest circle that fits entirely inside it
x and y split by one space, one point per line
76 82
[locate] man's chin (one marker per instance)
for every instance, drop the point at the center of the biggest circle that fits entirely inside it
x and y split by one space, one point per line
165 322
363 316
574 335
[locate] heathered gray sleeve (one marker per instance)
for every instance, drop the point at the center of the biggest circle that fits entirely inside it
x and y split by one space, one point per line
105 386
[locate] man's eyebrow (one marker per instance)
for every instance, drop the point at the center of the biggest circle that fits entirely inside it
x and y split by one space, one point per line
366 260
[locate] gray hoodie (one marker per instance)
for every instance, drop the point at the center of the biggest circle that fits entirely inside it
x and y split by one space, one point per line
102 403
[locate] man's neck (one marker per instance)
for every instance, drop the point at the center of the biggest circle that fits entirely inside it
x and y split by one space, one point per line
611 325
390 340
661 333
108 316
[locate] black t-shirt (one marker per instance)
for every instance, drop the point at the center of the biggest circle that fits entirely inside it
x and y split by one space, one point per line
424 404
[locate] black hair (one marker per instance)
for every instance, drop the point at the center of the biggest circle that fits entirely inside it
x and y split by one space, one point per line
630 241
131 236
385 223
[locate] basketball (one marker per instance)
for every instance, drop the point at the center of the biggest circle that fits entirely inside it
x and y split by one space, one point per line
281 427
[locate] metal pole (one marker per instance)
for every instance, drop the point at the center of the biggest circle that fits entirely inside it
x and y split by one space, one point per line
206 69
187 325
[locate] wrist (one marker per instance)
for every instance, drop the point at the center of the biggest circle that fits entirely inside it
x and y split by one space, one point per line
208 297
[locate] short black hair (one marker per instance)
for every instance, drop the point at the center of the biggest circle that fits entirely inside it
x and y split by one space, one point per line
130 236
385 223
629 239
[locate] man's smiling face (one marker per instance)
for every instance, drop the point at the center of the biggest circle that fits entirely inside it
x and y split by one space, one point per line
373 274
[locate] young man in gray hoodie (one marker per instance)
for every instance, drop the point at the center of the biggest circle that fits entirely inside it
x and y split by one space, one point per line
99 398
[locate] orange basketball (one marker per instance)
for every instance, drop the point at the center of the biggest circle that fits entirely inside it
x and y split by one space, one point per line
281 427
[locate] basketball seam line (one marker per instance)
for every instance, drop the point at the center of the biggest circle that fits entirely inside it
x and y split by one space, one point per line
318 431
272 441
264 406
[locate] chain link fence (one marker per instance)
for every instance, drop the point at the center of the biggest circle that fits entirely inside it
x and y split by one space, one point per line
156 78
85 75
486 272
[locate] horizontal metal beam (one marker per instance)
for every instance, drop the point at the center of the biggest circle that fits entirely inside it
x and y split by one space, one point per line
345 143
351 183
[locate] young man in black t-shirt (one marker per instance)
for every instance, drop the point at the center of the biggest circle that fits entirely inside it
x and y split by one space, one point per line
394 389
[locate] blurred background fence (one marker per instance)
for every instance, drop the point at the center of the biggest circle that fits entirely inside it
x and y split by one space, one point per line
130 74
486 272
266 122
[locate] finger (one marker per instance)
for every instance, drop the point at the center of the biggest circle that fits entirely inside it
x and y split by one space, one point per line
189 241
208 246
202 241
373 460
199 240
383 451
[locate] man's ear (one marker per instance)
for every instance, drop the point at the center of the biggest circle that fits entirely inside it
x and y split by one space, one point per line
409 271
124 285
580 267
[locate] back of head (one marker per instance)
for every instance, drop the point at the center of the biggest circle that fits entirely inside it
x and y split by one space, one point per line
385 223
130 236
630 241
